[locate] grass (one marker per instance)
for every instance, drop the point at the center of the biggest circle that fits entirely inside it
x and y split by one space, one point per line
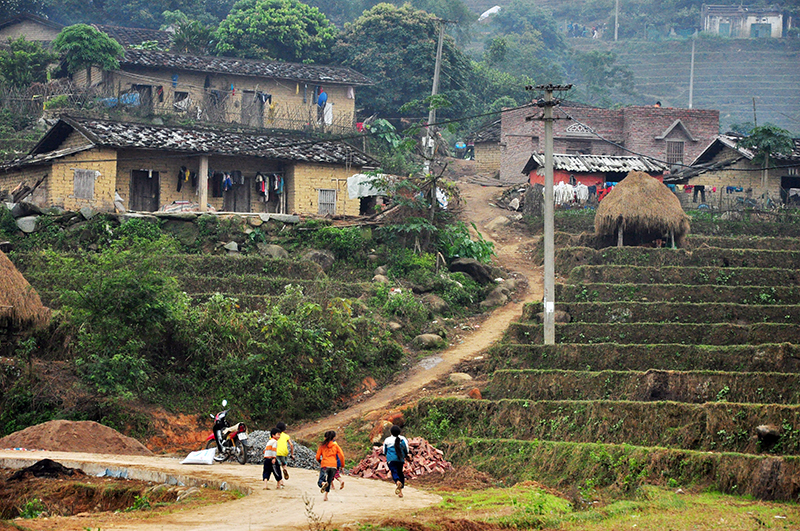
526 506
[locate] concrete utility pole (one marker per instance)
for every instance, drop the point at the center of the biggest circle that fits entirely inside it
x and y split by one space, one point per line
549 225
616 20
691 71
430 138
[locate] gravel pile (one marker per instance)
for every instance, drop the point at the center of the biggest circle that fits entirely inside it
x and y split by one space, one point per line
257 440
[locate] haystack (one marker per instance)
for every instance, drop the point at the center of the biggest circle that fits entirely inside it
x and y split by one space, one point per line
641 210
20 305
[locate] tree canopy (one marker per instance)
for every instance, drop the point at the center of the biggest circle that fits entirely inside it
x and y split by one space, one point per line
283 30
396 47
767 141
24 62
84 46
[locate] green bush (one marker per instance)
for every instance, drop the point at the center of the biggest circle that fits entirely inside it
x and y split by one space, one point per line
454 241
346 243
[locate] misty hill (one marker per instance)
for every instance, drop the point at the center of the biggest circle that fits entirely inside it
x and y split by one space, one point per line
728 74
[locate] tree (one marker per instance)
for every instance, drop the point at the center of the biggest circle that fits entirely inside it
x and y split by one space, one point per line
24 63
84 46
396 47
191 36
767 141
599 78
521 17
283 30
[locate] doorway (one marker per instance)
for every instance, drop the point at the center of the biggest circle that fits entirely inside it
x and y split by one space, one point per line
237 199
145 185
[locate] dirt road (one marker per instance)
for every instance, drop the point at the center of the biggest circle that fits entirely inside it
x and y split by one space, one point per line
511 256
362 500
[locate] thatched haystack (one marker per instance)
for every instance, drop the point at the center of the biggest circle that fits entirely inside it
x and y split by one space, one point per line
20 305
641 210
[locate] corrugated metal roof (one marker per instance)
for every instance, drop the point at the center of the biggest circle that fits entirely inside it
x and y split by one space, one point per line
245 67
275 146
596 163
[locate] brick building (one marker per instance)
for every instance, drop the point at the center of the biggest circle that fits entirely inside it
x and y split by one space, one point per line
86 162
672 136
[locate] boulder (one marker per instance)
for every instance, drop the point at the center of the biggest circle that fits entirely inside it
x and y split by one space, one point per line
23 209
497 223
380 279
183 231
380 270
497 297
381 430
435 303
394 326
324 259
27 224
231 247
254 221
272 250
459 377
473 268
428 341
514 204
88 212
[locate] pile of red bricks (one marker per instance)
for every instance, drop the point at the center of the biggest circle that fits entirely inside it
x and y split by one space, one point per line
423 459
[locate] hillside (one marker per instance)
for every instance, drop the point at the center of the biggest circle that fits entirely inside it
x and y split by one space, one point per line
729 75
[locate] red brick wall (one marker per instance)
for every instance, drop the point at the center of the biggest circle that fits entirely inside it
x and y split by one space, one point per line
634 128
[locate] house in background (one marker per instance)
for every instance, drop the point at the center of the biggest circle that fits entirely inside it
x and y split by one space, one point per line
728 177
32 27
39 29
270 94
88 162
741 22
671 136
487 147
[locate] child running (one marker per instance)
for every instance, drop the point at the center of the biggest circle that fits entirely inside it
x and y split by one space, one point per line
329 456
395 447
285 449
271 460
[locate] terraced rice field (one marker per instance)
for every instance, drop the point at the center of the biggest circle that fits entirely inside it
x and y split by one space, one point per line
676 368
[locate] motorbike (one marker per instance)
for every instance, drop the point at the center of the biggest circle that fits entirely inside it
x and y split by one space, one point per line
229 440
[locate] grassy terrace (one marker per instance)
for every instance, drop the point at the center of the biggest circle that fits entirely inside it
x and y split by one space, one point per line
670 361
741 276
678 386
672 312
717 426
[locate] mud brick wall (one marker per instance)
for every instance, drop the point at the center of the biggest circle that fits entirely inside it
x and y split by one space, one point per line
304 181
487 155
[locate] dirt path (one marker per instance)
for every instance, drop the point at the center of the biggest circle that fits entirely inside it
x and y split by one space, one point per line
510 248
362 500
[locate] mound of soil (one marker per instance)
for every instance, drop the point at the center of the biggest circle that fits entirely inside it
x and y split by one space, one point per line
69 436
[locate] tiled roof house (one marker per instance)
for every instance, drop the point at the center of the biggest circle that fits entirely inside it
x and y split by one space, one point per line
86 162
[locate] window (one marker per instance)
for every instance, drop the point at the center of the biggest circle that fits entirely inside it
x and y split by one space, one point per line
327 202
760 31
181 101
674 152
83 182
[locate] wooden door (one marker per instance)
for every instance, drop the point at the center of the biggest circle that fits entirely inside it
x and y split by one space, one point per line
237 199
252 109
145 190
